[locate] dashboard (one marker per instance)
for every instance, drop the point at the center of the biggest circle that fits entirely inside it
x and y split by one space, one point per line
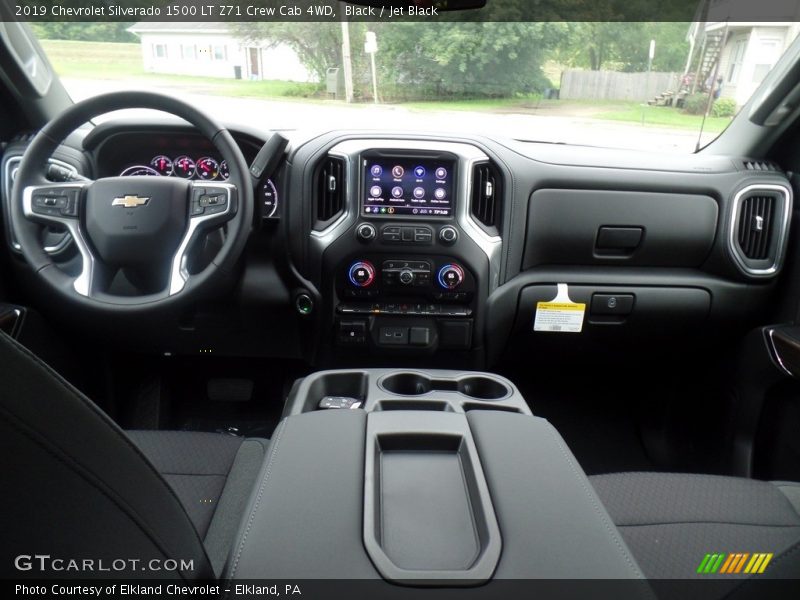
386 248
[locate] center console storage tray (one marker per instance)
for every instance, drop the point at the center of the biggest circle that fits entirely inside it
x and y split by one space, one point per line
428 516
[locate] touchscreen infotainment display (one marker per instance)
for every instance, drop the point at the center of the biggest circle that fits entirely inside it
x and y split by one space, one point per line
408 187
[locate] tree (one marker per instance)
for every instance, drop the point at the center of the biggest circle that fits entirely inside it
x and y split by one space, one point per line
624 46
424 60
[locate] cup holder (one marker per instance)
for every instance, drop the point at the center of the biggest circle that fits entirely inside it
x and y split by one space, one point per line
416 384
407 384
483 388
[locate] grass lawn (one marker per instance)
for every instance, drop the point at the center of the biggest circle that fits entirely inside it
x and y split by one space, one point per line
100 60
665 116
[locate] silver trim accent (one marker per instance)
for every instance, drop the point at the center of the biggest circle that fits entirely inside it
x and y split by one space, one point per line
733 244
83 282
11 168
328 234
775 354
467 154
179 275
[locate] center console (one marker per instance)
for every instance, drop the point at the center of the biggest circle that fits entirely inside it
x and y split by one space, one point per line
432 478
407 268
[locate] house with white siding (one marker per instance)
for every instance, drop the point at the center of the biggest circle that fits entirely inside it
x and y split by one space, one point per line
212 50
738 55
750 52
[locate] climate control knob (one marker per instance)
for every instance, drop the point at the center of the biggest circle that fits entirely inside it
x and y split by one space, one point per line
361 274
406 276
451 276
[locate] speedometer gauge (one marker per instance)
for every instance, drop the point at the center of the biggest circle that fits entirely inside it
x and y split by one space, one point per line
162 164
269 199
207 168
184 166
139 171
224 172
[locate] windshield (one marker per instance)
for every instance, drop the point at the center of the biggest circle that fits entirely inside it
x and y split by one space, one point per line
669 86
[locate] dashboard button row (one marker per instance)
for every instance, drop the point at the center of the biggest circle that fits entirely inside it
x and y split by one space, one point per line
411 309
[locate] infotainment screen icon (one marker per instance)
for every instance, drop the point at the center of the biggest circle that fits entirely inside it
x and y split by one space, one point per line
408 186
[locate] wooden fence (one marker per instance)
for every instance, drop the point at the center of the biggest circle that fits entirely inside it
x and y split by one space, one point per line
613 85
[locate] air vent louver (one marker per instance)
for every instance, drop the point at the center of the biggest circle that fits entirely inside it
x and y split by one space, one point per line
486 195
755 226
760 165
330 189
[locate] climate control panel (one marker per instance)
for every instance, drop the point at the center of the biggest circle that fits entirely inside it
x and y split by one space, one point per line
436 278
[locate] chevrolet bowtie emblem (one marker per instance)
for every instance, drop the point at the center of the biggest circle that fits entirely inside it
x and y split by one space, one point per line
130 201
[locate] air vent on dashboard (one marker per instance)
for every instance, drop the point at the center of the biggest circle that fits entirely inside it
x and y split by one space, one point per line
756 226
487 196
760 165
330 189
759 227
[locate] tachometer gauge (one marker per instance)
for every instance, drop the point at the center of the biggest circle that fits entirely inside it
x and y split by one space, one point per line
183 166
139 171
162 164
269 199
207 168
224 172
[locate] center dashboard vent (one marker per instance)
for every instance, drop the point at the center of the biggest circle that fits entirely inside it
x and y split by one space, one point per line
330 190
487 194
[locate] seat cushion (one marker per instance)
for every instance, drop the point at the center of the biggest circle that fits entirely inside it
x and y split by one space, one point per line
671 521
212 474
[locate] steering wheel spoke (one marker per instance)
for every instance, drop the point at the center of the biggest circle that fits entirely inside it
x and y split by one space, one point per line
61 204
210 205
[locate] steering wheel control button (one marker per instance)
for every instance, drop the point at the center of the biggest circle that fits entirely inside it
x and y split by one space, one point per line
362 274
56 203
366 232
448 235
616 305
451 276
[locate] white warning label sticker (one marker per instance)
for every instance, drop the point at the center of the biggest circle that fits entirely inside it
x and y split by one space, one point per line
560 315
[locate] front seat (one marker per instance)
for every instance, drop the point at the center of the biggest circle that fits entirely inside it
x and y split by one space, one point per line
672 521
75 487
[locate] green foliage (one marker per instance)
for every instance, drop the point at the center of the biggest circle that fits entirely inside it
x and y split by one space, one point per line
85 32
418 61
695 104
724 107
625 46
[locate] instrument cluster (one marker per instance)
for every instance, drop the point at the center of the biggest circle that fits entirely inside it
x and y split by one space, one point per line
204 168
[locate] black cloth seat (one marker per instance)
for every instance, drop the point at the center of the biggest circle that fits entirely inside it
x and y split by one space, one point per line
671 521
75 486
211 474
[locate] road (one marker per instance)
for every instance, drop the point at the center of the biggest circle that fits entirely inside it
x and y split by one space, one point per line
320 116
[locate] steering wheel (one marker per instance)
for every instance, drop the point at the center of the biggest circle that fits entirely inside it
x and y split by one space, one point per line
144 226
